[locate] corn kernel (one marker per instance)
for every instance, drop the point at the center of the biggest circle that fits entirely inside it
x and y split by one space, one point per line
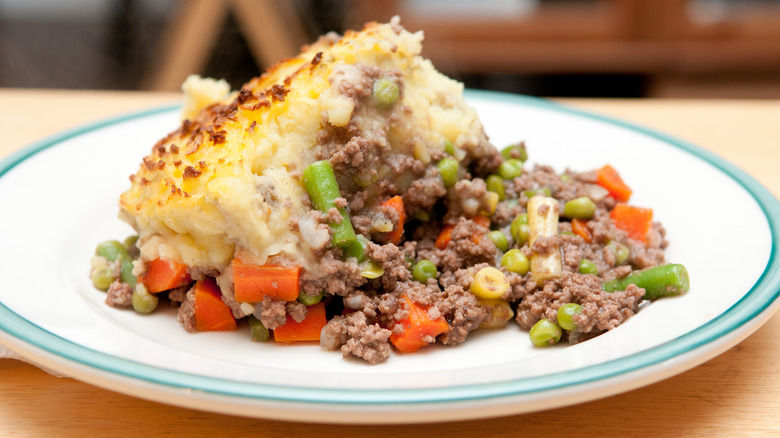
489 283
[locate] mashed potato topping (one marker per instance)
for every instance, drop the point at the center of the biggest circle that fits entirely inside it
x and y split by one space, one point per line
228 179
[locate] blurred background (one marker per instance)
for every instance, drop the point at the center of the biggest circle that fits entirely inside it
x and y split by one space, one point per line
554 48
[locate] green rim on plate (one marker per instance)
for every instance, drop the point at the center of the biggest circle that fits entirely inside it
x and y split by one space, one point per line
760 301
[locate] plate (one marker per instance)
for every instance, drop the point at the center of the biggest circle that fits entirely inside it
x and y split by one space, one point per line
59 198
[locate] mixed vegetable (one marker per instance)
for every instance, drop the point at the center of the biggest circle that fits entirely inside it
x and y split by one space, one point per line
528 244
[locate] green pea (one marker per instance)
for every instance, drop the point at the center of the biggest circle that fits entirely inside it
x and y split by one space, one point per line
448 170
519 229
587 267
566 178
510 168
102 277
424 270
515 151
579 208
496 184
309 300
499 239
143 302
130 241
544 333
258 331
449 148
565 313
620 251
515 261
422 215
111 250
386 92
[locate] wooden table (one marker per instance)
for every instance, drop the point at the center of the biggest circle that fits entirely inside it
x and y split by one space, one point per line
735 394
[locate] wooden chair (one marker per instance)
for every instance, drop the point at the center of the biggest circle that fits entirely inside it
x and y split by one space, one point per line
272 30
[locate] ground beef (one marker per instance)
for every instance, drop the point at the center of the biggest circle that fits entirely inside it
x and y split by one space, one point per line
424 193
355 336
601 310
271 312
335 275
467 198
462 311
394 263
605 311
467 247
119 294
186 314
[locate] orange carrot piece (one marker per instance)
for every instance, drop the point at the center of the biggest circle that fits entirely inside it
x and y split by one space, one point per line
481 220
608 178
635 221
163 275
211 313
580 228
396 203
252 282
417 328
307 330
445 236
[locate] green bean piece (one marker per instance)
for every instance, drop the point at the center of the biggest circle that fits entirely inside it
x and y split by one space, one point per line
659 281
111 250
579 208
510 168
448 170
102 277
499 239
620 251
320 183
544 333
587 267
449 148
519 229
565 313
565 177
515 151
257 330
515 261
309 300
143 302
358 250
126 273
386 92
424 270
495 184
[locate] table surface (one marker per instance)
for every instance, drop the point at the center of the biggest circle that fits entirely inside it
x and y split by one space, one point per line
736 393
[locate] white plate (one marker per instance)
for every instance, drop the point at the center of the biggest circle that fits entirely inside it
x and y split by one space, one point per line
59 198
